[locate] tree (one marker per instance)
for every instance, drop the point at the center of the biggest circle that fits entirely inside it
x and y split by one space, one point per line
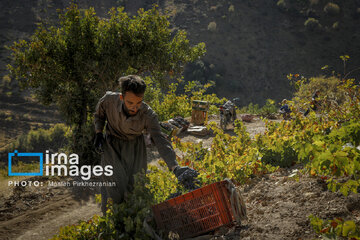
73 64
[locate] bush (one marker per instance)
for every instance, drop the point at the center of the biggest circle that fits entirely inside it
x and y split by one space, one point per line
328 87
283 155
212 26
41 140
312 24
337 228
231 8
349 133
267 111
170 104
332 9
251 108
281 4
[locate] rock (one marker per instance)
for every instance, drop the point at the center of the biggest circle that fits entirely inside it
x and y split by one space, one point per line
198 130
247 117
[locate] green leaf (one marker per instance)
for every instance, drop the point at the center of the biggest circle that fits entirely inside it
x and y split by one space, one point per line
316 223
349 227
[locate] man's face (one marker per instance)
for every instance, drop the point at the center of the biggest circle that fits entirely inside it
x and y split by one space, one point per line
132 102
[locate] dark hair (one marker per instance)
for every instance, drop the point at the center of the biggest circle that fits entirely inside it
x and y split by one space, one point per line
132 83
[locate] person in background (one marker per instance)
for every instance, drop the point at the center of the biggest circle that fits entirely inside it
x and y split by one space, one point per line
285 109
230 105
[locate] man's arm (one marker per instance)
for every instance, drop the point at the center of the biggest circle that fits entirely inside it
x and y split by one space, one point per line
164 147
100 115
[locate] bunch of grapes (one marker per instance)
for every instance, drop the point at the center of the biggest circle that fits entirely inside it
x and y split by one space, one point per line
167 126
188 180
182 121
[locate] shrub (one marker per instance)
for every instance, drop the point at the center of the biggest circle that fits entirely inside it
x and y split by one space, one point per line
337 228
169 105
281 4
41 140
251 108
212 26
332 9
283 155
312 24
327 86
268 110
231 8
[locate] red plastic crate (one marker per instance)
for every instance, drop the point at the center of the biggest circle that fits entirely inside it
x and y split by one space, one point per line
196 212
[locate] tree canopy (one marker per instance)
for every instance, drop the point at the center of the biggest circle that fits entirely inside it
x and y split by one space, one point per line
74 63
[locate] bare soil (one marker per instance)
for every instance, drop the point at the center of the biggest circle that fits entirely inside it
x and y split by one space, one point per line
278 206
38 212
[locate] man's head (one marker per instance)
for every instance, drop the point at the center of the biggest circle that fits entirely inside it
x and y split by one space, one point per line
132 89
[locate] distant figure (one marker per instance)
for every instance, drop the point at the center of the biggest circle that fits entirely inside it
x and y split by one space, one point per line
229 105
314 104
285 109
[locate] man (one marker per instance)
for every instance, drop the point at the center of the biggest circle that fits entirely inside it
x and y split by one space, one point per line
229 105
285 110
127 116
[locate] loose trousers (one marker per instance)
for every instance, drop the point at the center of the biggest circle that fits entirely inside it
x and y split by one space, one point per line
127 157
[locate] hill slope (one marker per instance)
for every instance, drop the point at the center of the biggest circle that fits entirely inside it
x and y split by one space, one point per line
251 45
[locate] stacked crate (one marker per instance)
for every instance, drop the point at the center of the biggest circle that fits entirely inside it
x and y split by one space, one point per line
199 115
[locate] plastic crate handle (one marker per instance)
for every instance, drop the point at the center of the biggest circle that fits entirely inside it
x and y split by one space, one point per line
237 202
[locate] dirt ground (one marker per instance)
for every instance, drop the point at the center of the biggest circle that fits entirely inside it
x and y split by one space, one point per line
38 212
278 206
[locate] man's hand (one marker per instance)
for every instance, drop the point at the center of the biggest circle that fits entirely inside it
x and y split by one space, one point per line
178 171
99 140
187 177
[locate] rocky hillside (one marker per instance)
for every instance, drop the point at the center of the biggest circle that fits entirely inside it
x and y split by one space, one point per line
251 45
